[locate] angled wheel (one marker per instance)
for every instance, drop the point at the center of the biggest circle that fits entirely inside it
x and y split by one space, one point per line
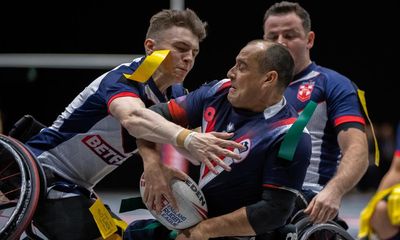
19 187
324 231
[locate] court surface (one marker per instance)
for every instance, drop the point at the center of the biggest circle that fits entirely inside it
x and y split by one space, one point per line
352 205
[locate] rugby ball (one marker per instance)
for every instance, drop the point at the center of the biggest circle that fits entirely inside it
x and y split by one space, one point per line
192 206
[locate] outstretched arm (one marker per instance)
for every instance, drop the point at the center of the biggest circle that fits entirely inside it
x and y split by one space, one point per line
146 124
325 205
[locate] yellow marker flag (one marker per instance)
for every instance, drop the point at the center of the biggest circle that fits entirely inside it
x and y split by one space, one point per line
103 219
148 66
361 96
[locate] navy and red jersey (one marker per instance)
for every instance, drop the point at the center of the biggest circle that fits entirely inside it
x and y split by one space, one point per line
85 142
260 132
338 103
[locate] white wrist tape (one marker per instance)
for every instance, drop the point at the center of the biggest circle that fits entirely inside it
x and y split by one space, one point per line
188 139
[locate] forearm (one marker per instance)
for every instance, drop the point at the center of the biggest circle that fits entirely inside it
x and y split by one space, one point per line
143 123
148 125
268 214
228 225
354 162
149 153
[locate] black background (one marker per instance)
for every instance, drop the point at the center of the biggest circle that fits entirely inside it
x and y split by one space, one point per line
356 38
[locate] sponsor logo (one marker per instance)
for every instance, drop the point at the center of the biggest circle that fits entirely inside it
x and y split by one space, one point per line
171 216
103 150
196 191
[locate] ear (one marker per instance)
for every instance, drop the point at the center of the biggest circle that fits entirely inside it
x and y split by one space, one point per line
149 45
271 78
310 39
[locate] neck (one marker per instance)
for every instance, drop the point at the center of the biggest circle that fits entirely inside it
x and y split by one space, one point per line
303 66
162 82
268 101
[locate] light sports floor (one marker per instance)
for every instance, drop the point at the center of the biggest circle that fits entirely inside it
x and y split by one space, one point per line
352 205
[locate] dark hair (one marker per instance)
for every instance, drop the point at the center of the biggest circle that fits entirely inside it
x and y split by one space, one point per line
276 58
168 18
285 7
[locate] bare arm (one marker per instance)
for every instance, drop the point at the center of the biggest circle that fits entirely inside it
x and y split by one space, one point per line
354 163
232 224
143 123
146 124
157 176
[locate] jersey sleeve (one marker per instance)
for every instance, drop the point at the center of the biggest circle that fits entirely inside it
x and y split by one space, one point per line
342 101
188 110
397 150
284 173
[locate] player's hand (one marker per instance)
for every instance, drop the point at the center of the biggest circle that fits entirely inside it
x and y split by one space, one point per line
324 206
158 185
210 148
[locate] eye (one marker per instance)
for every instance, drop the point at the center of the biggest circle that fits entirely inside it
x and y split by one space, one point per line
271 37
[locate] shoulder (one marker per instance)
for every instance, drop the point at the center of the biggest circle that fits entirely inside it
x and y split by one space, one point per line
334 78
216 86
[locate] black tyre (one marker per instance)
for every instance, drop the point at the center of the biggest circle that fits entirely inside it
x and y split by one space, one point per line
20 184
324 231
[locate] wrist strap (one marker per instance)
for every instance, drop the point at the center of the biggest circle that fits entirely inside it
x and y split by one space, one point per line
188 139
181 137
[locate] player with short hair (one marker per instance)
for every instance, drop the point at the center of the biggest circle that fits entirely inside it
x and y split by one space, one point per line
339 143
96 132
258 194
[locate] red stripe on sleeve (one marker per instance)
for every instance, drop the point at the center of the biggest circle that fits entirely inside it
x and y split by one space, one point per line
346 119
397 153
270 186
178 113
122 94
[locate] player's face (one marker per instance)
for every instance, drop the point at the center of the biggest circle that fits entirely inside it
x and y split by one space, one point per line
246 79
288 30
183 46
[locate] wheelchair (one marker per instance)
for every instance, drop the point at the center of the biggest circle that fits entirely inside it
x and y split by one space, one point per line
306 230
23 185
22 181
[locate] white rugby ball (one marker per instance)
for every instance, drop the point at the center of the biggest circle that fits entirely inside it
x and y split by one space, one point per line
192 206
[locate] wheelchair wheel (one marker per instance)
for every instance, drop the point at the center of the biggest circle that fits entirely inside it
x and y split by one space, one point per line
19 187
324 231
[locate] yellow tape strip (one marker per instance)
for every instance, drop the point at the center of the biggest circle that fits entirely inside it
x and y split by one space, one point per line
366 214
103 219
393 206
361 96
148 66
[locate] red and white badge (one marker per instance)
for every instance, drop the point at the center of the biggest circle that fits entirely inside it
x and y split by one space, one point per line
305 90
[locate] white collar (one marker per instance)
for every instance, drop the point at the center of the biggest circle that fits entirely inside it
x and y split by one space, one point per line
271 111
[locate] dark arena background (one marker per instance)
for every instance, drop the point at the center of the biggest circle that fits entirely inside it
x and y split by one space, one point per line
356 38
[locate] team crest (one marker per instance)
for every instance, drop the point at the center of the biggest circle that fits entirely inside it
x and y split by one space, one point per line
205 177
243 153
305 91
